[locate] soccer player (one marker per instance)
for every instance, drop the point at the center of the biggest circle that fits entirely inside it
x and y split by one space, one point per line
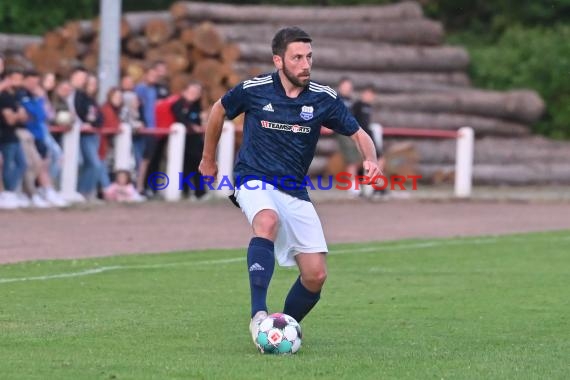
284 112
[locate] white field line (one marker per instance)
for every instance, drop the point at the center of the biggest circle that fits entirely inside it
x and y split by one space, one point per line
386 248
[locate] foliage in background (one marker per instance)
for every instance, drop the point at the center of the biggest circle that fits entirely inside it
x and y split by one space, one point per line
537 58
490 18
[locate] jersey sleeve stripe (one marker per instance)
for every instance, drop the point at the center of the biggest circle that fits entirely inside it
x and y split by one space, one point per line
323 87
257 83
314 89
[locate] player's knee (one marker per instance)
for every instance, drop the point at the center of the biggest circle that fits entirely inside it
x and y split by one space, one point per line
265 224
314 280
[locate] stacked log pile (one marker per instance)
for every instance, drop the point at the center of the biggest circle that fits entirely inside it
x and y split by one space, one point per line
422 83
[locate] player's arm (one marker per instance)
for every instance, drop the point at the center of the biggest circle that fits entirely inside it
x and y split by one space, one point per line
215 124
368 152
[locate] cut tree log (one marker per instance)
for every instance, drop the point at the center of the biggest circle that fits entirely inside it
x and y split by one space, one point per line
137 21
407 32
46 60
483 126
494 150
53 39
207 39
78 30
267 13
136 45
90 61
230 53
73 49
158 31
17 42
187 36
135 68
428 59
13 59
176 63
209 71
524 106
174 46
510 175
383 82
178 82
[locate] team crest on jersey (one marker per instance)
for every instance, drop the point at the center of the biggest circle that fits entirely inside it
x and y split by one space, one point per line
285 127
307 112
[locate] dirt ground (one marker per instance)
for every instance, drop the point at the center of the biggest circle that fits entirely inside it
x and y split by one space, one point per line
157 227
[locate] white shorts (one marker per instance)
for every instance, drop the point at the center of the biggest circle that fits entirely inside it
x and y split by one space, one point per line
299 230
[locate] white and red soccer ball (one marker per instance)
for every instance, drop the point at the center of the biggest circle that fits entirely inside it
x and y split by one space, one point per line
279 334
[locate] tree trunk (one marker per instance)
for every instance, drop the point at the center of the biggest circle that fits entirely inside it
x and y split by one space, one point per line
135 68
174 46
208 39
138 20
209 72
178 82
187 36
158 31
16 59
90 61
79 30
494 150
523 106
384 58
230 53
137 45
17 42
387 82
74 49
54 39
293 14
483 126
176 63
46 60
510 175
408 32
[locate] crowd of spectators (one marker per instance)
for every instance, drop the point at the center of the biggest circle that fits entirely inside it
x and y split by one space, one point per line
35 111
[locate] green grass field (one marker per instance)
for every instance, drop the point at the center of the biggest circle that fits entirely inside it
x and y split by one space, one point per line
475 308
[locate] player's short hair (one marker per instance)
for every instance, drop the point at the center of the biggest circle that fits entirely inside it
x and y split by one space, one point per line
285 36
79 69
344 79
12 71
31 73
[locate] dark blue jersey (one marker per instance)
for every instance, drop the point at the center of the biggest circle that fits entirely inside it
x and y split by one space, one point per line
280 133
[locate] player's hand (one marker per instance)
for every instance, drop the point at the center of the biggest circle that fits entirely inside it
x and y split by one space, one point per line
208 168
371 170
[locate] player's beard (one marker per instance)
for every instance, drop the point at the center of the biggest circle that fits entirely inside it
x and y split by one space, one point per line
296 80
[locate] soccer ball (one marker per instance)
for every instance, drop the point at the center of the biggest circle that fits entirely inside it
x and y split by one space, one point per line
279 334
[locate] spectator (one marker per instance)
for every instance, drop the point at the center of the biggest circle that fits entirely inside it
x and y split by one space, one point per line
145 147
161 85
348 148
132 107
122 190
362 111
29 196
162 93
34 103
55 153
87 111
187 110
112 112
12 116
